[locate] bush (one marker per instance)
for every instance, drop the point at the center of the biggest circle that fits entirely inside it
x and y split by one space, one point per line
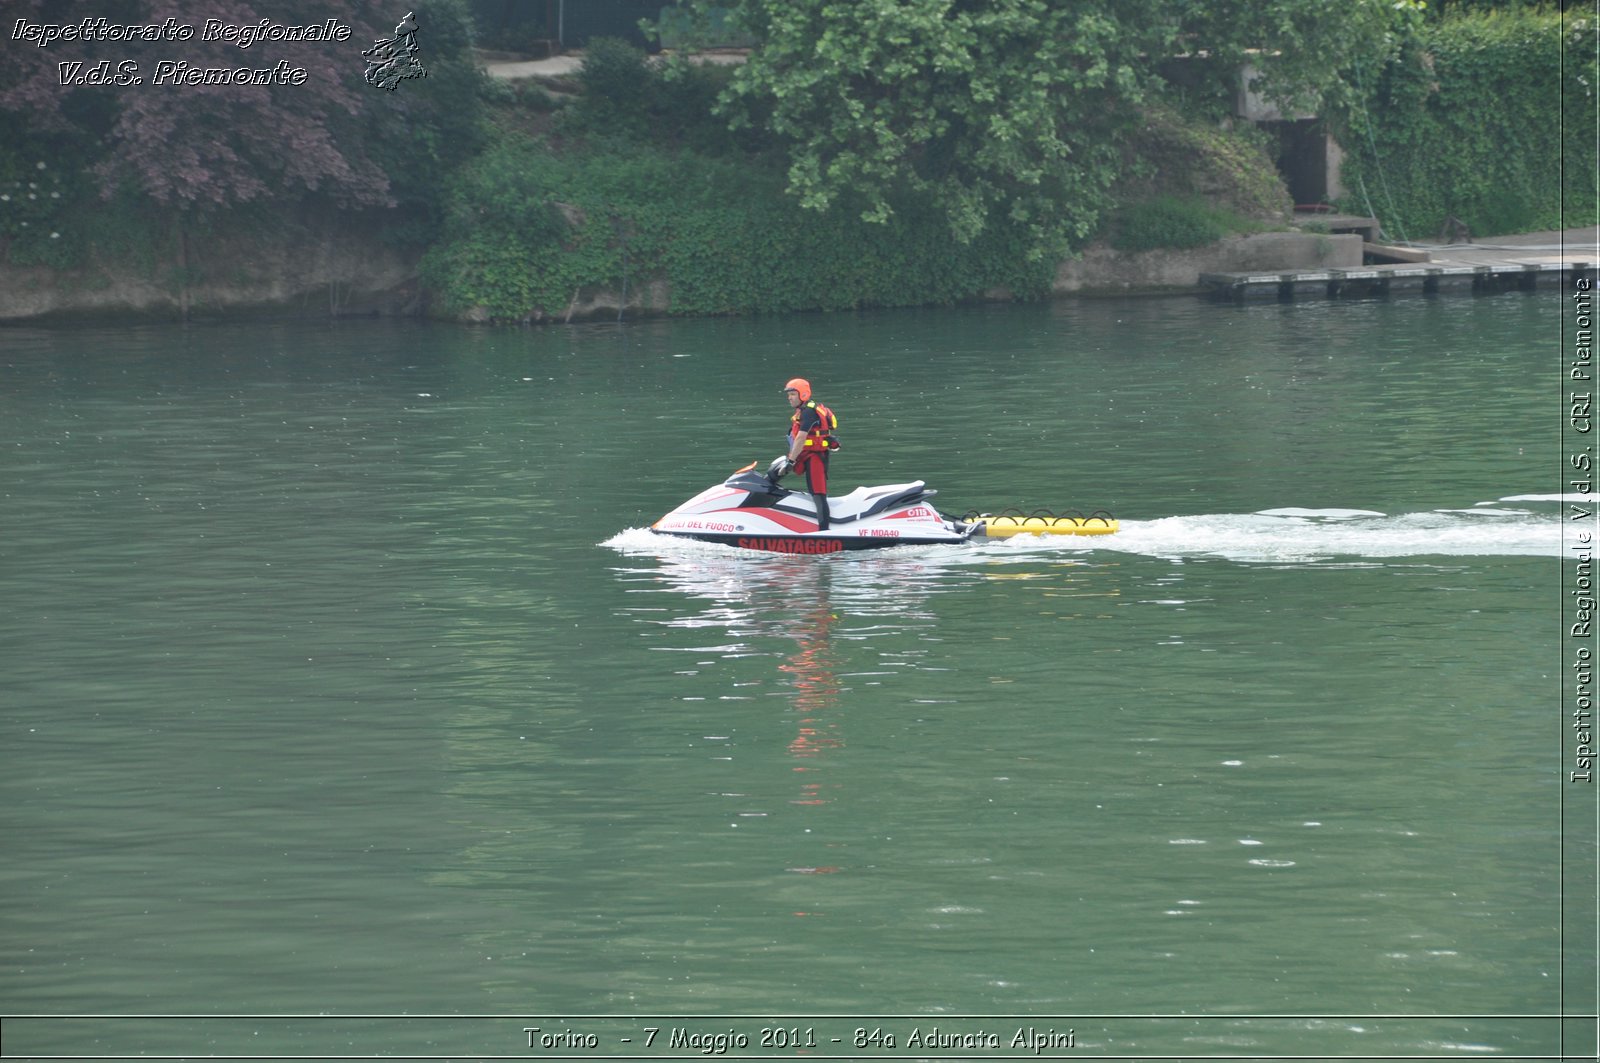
1188 156
618 86
528 228
1172 223
1467 123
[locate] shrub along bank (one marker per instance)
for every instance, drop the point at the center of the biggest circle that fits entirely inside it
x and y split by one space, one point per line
528 229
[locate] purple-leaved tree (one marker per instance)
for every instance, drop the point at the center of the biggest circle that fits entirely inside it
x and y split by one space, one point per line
194 146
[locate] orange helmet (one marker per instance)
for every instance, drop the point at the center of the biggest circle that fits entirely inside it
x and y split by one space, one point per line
802 386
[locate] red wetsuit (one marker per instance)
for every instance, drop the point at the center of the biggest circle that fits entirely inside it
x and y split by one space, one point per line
813 461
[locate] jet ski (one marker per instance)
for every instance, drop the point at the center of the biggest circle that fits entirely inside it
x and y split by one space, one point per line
752 511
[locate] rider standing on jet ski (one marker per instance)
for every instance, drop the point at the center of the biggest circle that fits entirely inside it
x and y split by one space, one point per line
811 440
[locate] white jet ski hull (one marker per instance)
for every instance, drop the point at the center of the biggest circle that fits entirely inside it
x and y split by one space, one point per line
751 512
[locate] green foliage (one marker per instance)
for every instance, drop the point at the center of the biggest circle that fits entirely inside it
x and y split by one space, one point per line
1438 9
1300 51
420 133
529 229
1010 111
1171 222
125 229
36 219
684 111
1003 113
1468 123
669 103
618 85
1178 157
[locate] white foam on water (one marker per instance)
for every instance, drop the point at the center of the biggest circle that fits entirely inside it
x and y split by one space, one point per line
1322 514
1326 535
636 542
1544 498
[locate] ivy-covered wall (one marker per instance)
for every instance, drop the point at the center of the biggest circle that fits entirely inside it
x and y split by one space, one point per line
1486 118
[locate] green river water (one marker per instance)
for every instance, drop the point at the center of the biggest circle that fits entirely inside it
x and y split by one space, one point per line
348 707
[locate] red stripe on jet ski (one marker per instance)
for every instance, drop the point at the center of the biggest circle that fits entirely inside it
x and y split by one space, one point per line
794 524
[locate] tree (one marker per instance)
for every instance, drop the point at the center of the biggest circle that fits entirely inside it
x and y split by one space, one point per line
203 146
1305 53
1004 111
313 127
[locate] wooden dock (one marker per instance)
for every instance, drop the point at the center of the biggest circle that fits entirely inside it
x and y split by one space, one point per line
1499 264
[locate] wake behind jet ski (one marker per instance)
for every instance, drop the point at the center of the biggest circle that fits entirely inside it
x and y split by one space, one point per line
752 511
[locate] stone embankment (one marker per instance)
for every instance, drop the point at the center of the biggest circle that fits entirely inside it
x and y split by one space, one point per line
351 274
347 273
338 268
1106 271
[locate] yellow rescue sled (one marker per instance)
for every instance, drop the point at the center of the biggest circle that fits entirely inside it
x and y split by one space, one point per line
1014 522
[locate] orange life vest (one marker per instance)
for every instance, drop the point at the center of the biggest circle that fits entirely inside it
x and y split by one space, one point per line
821 437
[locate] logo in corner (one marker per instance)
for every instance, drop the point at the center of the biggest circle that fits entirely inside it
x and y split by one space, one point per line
394 59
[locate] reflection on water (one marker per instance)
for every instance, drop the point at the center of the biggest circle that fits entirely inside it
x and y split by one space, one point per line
798 613
811 670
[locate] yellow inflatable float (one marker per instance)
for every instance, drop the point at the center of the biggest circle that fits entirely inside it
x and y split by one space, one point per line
1006 524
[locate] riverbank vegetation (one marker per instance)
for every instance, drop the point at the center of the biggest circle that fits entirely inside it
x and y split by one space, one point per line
1481 122
639 178
885 154
892 154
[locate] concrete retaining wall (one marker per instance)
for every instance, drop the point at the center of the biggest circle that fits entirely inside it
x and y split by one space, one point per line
345 272
1108 271
339 271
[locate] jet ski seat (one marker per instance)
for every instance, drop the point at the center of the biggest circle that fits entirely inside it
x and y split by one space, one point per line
864 502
